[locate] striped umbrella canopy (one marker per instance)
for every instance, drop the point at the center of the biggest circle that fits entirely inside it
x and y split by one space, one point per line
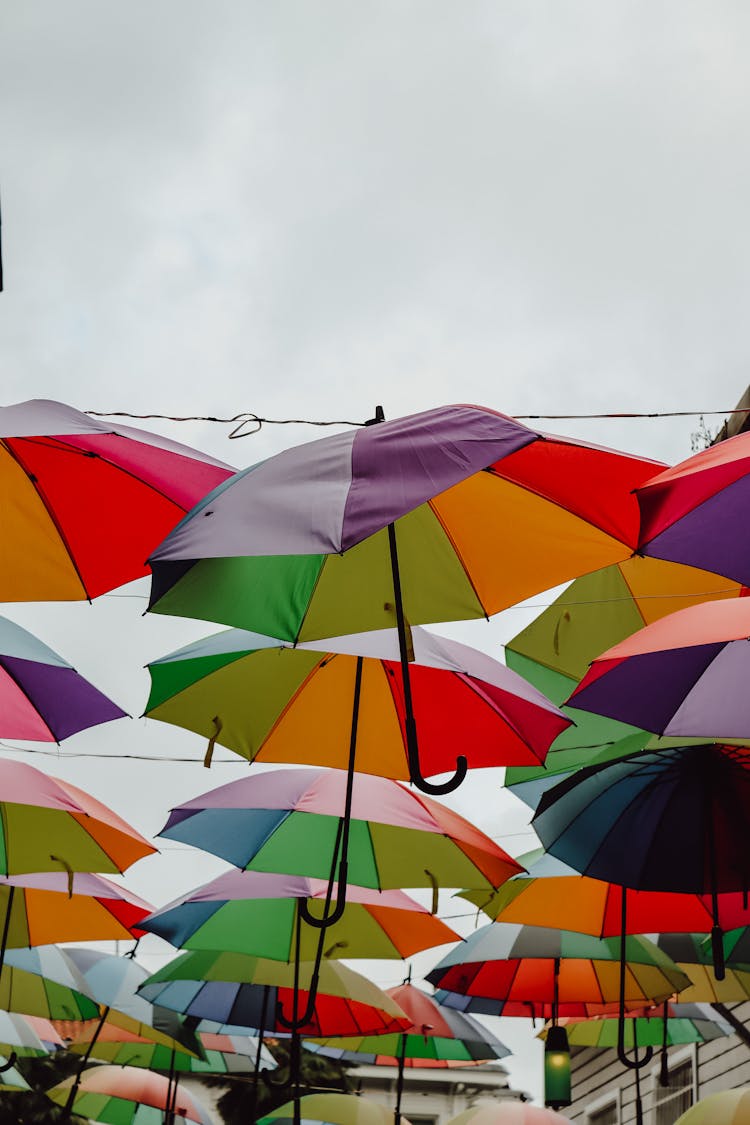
86 500
645 1031
554 894
42 697
312 523
273 701
239 990
436 1033
40 908
288 820
694 954
537 968
256 912
27 1036
223 1054
47 824
59 991
122 1095
333 1109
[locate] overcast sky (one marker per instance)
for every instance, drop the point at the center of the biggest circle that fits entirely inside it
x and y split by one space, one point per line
304 209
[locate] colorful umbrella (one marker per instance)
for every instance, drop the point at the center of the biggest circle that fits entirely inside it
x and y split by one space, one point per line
256 913
85 501
244 991
332 1109
643 1031
223 1054
728 1107
27 1036
554 894
541 968
272 701
61 994
689 513
121 1095
683 676
287 821
401 523
37 909
694 954
42 697
50 825
666 820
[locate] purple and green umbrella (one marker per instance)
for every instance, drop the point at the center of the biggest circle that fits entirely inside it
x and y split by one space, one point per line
42 697
403 522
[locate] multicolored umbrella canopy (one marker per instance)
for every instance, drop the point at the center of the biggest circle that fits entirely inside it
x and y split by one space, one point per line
50 825
85 501
60 994
120 1095
256 912
42 697
271 701
554 894
37 909
223 1054
533 965
436 1034
27 1036
683 676
689 512
333 1109
648 1031
239 990
287 821
297 547
662 820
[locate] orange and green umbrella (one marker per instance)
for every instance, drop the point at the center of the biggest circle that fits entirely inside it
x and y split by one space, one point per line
45 907
272 701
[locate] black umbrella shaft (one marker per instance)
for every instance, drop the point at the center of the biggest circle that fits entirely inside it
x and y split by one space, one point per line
6 926
400 1080
68 1108
258 1053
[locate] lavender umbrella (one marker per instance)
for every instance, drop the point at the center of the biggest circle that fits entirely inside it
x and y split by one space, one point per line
42 698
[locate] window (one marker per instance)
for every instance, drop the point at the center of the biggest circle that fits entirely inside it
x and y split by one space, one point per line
671 1101
604 1111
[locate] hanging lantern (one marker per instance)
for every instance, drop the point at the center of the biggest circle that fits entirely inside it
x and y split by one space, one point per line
557 1068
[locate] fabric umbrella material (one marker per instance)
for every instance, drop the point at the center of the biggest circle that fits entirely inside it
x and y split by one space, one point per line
728 1107
666 820
287 821
117 1094
223 1054
435 1033
50 825
333 1109
27 1036
644 1031
689 512
697 657
60 994
38 909
554 894
272 701
539 967
42 697
85 501
313 521
245 991
255 913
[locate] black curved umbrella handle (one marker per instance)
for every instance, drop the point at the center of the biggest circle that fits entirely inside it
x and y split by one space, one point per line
635 1063
336 914
298 1023
12 1060
436 789
631 1064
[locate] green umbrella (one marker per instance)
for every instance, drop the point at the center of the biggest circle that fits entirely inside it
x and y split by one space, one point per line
332 1109
646 1030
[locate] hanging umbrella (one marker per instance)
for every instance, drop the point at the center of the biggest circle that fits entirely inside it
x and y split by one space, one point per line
694 954
508 1113
272 701
332 1109
402 523
122 1095
86 500
727 1107
288 820
540 968
61 993
223 1054
245 991
663 820
643 1031
27 1036
37 909
42 697
554 894
50 825
256 913
689 513
683 676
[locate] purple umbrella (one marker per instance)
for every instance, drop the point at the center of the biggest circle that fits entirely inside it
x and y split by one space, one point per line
42 698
